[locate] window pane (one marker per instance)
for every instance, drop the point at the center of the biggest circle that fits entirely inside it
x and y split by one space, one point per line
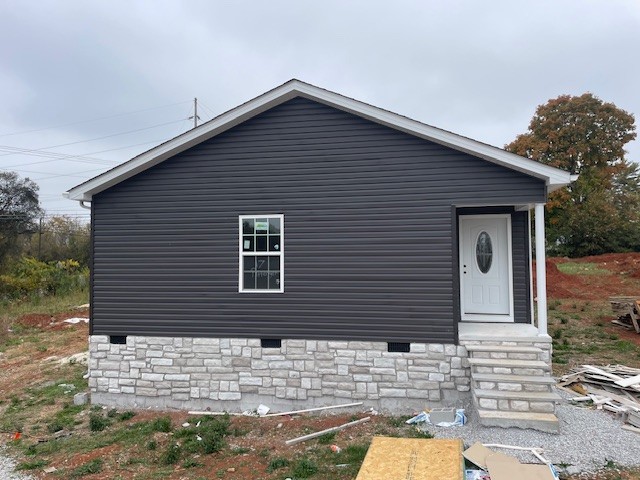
274 264
274 243
262 280
262 263
274 225
261 243
247 225
248 244
274 280
262 225
249 263
249 281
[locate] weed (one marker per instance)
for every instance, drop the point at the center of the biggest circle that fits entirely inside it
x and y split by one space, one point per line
128 415
417 433
171 455
98 423
191 463
32 465
152 445
277 463
264 453
624 346
304 468
112 413
55 426
398 421
94 466
564 320
162 424
240 450
556 334
327 438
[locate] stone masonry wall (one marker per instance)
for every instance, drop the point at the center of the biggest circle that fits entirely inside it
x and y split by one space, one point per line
237 374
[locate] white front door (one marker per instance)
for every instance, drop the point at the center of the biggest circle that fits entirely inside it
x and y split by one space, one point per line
485 268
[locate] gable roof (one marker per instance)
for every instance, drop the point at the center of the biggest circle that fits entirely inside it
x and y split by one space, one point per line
553 177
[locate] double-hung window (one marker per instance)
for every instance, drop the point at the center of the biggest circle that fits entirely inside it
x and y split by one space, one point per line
261 253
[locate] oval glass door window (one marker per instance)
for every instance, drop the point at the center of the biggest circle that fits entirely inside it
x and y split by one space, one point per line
484 252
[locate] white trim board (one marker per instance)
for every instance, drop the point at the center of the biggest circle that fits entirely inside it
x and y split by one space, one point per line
553 177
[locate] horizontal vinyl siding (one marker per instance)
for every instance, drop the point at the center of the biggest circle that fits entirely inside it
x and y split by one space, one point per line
368 233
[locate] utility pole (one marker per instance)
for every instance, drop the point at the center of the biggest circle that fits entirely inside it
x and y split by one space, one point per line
40 239
195 113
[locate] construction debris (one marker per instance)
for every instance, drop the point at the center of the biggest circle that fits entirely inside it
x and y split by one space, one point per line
441 417
627 312
317 409
304 438
412 458
615 388
505 467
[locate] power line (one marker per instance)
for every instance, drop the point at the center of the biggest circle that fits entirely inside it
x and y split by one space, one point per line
92 120
100 138
79 157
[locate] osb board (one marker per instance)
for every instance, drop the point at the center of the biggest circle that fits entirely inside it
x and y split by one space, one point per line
412 459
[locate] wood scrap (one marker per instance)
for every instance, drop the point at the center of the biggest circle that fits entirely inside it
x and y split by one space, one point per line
615 388
304 438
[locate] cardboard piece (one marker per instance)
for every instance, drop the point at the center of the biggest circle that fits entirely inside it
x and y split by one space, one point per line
413 459
500 469
506 467
478 453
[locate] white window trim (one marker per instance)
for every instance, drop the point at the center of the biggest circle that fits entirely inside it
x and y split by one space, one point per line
243 254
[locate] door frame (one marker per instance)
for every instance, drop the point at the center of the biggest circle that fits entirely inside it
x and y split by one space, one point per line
479 317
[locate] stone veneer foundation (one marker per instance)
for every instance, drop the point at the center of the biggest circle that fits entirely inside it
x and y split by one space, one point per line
236 374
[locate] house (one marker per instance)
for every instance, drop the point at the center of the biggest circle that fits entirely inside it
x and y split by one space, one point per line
305 249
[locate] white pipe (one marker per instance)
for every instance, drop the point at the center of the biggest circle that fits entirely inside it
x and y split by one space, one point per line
541 270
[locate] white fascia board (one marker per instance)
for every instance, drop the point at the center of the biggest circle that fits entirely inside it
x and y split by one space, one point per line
553 177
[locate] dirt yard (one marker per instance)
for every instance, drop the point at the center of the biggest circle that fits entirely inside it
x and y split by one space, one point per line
38 381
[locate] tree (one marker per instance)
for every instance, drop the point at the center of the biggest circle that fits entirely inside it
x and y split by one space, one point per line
62 238
600 212
19 208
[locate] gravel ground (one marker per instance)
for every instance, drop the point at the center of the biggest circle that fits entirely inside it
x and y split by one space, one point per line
7 468
587 440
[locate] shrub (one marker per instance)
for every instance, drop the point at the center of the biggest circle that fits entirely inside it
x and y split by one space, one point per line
97 422
171 454
277 463
162 424
304 468
29 276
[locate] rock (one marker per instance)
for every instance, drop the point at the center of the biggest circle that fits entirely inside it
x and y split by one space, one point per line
81 398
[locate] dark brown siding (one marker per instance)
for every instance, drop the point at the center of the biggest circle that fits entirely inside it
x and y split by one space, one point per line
368 232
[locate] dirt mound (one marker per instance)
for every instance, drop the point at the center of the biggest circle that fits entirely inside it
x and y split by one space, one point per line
562 285
45 320
621 263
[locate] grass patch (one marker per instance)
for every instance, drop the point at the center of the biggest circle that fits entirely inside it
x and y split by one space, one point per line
33 465
578 268
98 423
89 468
304 468
327 438
277 463
171 455
162 424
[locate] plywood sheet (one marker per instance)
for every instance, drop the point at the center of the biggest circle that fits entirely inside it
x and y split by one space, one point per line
413 459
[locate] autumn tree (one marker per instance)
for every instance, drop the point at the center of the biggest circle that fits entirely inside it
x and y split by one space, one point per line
600 212
60 238
19 208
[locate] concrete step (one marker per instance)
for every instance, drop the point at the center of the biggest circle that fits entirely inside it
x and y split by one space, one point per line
508 363
502 348
505 378
525 396
545 422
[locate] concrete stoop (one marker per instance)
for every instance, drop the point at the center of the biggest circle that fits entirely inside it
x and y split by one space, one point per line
512 387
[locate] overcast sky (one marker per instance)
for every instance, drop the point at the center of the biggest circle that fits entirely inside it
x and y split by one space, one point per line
107 80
